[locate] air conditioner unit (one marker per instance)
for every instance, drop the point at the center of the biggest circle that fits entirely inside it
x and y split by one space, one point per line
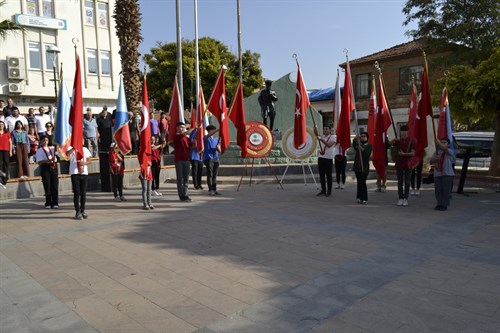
15 68
16 88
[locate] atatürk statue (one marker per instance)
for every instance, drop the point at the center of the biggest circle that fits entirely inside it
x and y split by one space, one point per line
267 98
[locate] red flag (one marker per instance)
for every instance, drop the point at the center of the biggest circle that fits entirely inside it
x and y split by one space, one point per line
371 113
200 113
382 124
237 116
217 106
145 130
301 105
424 110
344 125
175 110
76 113
193 116
442 126
413 128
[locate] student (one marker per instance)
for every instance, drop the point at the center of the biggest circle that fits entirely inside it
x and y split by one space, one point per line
78 169
117 170
146 177
181 160
325 159
361 167
5 153
443 160
211 159
406 149
156 149
20 145
196 162
47 159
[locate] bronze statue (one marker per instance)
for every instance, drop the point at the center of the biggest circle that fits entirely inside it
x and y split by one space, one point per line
267 98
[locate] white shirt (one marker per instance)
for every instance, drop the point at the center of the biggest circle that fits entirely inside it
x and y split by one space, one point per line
73 166
41 156
323 150
10 121
41 121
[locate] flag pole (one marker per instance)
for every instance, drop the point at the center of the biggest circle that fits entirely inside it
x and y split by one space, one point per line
294 56
379 69
432 112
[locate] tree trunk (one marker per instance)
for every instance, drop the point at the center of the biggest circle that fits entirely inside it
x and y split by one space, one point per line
495 150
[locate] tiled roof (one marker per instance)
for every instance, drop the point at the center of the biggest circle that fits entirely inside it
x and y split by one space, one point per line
414 46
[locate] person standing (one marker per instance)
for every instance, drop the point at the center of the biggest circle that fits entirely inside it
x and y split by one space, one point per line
181 159
11 120
5 153
78 169
155 128
361 167
90 133
146 177
196 162
443 160
41 120
267 97
117 170
156 150
31 118
105 130
211 158
416 174
381 181
325 159
133 130
20 144
406 149
46 158
7 110
340 166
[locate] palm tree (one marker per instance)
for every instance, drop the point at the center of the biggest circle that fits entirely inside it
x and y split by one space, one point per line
128 29
8 26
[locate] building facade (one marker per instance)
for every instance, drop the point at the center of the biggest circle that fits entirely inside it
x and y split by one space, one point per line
55 31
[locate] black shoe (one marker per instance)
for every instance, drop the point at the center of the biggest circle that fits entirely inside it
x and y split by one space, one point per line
328 194
217 193
84 215
320 194
78 216
200 187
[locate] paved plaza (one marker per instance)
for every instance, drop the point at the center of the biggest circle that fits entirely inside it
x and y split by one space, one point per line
258 260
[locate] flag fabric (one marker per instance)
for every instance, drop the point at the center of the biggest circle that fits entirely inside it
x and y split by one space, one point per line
444 127
200 124
63 128
193 116
301 105
344 125
338 100
371 113
237 116
145 130
424 110
76 113
413 127
121 132
217 106
175 110
382 124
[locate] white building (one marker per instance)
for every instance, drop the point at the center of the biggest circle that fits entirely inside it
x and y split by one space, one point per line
87 27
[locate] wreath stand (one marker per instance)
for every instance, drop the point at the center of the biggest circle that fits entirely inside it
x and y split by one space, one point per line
251 172
302 162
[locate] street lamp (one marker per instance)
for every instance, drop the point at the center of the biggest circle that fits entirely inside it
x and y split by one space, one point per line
54 50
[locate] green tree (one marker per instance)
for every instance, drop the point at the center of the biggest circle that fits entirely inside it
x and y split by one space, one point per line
474 76
128 30
162 62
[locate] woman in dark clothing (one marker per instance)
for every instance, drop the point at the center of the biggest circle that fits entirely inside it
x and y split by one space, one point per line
361 168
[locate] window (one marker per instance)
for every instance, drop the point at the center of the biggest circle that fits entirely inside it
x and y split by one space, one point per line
89 13
49 58
103 14
363 85
47 8
405 77
92 61
35 55
32 7
105 63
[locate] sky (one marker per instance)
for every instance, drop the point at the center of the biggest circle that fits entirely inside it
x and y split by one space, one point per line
317 31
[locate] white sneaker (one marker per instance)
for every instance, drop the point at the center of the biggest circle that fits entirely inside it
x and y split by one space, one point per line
159 193
154 193
117 199
417 192
3 186
338 186
405 202
412 192
400 202
342 186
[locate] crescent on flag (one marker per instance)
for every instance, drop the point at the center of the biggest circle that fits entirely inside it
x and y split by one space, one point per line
145 115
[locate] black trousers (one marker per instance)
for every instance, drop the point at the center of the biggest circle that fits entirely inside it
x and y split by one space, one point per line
50 181
79 184
325 168
196 172
362 190
155 169
418 173
212 170
4 165
117 185
340 166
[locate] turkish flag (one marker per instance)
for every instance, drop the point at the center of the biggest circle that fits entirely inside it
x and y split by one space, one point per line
217 106
237 116
301 105
344 124
76 113
371 113
200 126
382 124
424 110
175 110
144 130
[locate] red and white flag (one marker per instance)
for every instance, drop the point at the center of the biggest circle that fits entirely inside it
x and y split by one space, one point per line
382 124
424 110
218 107
144 131
76 113
237 116
301 105
344 125
175 110
371 113
200 125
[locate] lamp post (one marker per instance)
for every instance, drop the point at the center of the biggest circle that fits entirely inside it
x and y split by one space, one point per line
54 50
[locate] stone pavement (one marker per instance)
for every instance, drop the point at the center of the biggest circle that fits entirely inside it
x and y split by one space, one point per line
258 260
